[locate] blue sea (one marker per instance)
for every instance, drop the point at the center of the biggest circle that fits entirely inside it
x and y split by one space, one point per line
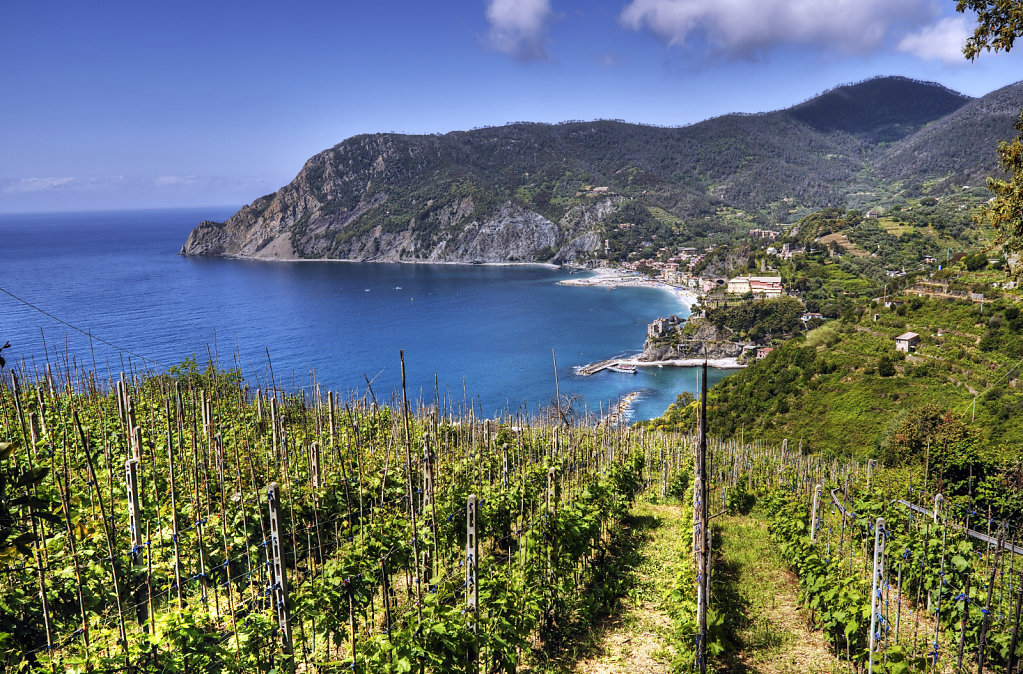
481 335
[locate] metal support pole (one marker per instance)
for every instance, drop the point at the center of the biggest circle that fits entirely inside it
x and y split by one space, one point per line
879 540
278 580
314 465
131 480
814 516
472 589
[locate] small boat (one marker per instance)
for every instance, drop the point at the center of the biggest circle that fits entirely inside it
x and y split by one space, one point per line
624 369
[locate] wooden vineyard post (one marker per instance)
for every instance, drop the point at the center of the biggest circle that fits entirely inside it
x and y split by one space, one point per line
700 537
93 478
131 479
879 541
385 591
314 465
551 485
279 581
218 457
814 515
430 505
664 479
174 508
1015 628
472 589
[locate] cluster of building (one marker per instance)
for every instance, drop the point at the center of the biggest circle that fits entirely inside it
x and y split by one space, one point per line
674 267
759 286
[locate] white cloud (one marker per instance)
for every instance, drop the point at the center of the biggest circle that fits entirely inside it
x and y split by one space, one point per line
175 181
747 28
519 27
27 185
942 41
50 184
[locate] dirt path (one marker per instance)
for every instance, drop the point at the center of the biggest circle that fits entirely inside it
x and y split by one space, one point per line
770 626
634 639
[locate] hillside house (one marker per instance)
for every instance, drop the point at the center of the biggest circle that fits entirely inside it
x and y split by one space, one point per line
760 286
907 342
766 286
763 351
738 285
810 315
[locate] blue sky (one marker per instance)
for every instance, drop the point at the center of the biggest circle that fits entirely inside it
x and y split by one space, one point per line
109 105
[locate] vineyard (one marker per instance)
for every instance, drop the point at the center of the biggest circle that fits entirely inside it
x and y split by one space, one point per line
183 522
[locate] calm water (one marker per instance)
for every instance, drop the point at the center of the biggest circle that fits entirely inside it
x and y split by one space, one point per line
486 333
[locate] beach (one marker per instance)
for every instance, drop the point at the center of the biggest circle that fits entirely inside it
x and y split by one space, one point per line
606 277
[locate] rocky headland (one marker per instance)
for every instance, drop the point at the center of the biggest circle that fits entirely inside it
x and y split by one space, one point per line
698 340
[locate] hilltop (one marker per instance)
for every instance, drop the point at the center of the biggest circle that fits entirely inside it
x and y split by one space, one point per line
542 192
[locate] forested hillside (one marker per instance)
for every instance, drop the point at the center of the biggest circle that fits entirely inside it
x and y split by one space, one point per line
530 191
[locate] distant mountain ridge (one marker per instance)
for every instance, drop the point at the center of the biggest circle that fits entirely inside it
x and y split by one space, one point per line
542 192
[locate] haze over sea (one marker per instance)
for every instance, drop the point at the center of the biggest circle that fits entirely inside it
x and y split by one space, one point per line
487 332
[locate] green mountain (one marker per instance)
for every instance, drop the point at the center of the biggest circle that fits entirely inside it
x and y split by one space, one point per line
883 109
538 192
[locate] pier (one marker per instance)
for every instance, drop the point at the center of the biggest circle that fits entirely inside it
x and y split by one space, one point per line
594 368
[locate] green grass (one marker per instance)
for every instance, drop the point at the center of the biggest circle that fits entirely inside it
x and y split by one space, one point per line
764 618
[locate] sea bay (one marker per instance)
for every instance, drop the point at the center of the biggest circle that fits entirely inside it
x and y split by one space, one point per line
478 333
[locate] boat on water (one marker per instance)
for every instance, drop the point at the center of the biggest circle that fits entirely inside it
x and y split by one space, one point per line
624 369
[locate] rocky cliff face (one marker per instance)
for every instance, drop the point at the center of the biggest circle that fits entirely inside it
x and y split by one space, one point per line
700 340
397 199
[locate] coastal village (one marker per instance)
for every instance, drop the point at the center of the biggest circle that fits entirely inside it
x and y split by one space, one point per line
774 256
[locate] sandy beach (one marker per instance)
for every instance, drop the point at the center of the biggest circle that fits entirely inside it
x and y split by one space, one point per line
606 277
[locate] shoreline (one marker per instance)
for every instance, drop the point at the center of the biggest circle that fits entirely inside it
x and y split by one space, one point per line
716 363
607 277
244 258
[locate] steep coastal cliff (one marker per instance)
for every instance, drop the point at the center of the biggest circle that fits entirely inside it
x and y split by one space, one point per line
393 198
699 339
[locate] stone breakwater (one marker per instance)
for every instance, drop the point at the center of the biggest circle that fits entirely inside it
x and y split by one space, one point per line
619 414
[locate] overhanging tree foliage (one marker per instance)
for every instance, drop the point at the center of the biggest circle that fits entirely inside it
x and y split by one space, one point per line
999 23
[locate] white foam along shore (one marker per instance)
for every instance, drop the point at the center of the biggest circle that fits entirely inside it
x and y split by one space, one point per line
606 277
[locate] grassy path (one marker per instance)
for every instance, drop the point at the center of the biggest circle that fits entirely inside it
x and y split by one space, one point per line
634 639
761 597
751 586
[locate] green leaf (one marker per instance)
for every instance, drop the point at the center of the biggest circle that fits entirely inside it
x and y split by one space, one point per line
6 449
31 476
